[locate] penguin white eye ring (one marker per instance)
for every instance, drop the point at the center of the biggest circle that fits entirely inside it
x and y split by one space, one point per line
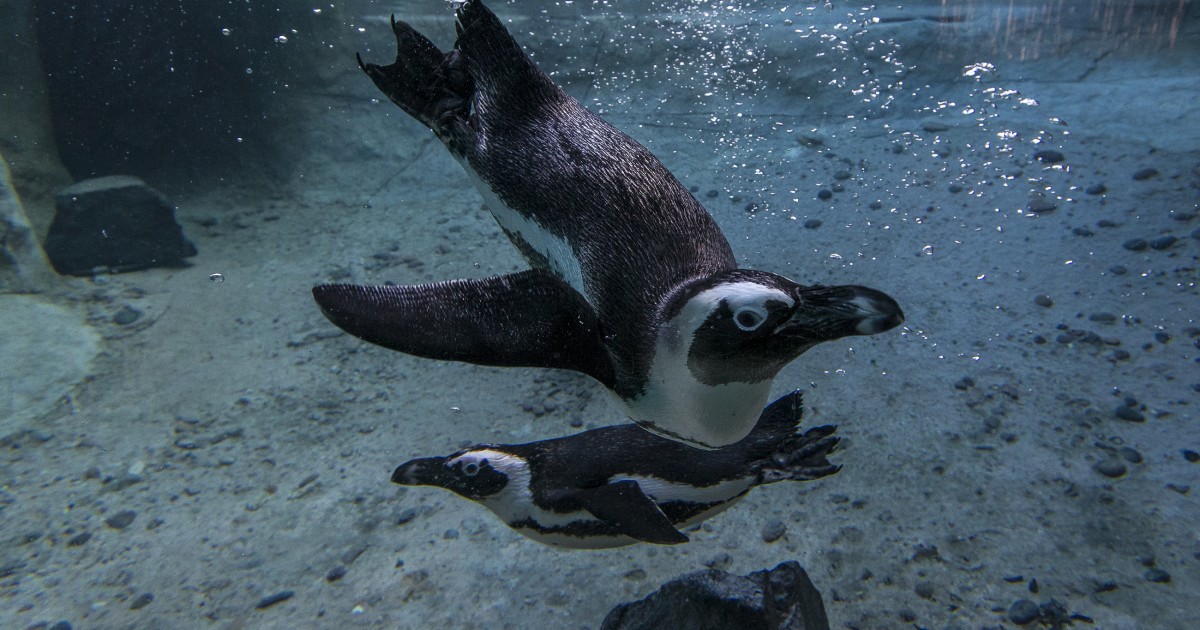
471 469
750 318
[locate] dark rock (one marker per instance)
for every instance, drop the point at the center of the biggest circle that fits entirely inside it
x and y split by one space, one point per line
1145 173
781 598
1111 468
1102 317
812 224
824 194
1130 455
141 601
121 519
1129 414
773 530
336 573
1096 189
1023 611
1049 156
1043 300
712 193
1039 204
61 625
1118 270
1135 244
1191 456
271 600
1157 575
114 224
955 188
126 316
1163 242
79 539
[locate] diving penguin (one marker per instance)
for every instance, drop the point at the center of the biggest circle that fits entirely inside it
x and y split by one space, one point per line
632 283
618 485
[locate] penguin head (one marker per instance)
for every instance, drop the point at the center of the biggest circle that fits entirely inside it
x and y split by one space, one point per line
743 326
476 473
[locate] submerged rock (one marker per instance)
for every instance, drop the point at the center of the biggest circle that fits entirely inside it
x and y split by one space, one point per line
115 224
782 598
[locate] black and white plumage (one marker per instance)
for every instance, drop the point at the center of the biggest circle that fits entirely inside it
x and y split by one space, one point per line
632 283
618 485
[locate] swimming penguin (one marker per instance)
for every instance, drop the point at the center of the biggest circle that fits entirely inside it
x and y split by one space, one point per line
632 283
618 485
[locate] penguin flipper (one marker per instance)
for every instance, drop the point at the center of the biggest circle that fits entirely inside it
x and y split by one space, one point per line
624 506
526 319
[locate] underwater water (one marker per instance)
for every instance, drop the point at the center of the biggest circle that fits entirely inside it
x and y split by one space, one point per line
196 445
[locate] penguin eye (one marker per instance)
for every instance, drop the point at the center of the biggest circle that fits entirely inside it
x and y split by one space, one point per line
470 469
749 318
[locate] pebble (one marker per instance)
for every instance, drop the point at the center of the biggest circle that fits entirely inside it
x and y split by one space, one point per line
812 224
1118 270
878 205
1110 468
1129 414
121 519
934 126
336 573
126 316
955 188
1130 455
1162 242
773 530
1145 173
406 516
450 534
837 187
1102 317
824 194
1096 189
924 590
141 601
1191 456
1023 611
1196 234
964 383
712 194
1157 575
1043 300
1135 244
1041 205
271 600
1049 156
751 207
842 175
79 539
61 625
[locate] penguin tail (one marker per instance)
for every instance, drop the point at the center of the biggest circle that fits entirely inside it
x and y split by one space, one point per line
504 75
429 85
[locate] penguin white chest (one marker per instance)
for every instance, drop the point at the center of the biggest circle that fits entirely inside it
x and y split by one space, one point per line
678 405
559 255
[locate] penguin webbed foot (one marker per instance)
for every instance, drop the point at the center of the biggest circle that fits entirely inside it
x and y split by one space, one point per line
804 457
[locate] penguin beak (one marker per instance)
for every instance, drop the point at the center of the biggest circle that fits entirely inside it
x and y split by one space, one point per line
427 471
825 313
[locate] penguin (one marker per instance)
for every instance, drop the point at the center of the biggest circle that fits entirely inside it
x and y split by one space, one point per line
619 485
631 280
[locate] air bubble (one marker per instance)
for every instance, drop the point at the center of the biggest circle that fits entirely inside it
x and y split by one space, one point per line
216 277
